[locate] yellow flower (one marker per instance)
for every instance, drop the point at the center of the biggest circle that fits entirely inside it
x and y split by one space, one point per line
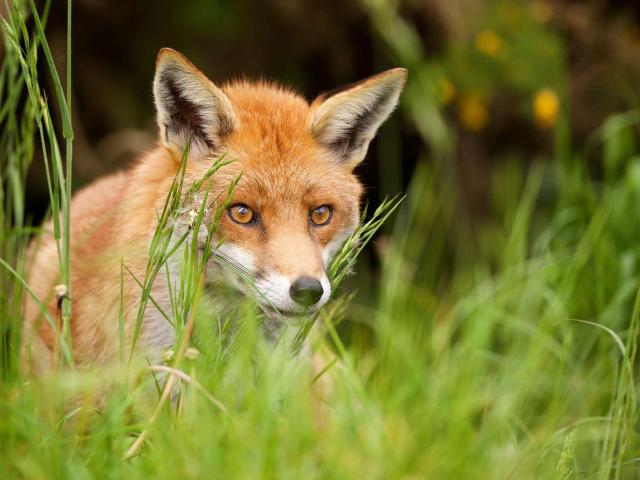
473 113
446 91
546 107
489 43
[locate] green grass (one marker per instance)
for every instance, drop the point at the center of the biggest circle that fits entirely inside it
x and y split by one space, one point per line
502 349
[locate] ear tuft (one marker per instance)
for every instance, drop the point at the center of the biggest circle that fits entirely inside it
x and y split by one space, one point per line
189 106
347 119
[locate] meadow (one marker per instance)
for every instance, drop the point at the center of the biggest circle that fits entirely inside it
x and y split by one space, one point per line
503 346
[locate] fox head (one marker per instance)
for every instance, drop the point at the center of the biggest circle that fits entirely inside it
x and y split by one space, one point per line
297 199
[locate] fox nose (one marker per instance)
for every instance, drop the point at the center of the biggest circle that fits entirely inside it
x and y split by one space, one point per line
306 291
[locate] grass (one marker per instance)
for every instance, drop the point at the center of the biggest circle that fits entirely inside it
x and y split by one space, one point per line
506 350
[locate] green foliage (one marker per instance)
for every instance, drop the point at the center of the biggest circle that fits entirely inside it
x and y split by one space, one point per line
506 346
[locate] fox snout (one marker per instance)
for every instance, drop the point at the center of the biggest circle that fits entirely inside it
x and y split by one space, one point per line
279 287
306 291
293 296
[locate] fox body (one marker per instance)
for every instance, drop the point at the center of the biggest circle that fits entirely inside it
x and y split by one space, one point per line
295 203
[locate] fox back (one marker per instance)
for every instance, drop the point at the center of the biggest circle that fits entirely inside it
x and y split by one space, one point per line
295 203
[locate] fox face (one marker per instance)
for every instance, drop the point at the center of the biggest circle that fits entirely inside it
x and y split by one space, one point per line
297 199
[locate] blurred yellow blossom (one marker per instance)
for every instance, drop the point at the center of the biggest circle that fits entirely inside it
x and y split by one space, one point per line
546 107
473 113
489 43
446 91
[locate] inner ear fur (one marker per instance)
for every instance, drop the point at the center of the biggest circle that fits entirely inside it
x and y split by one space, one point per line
189 106
346 120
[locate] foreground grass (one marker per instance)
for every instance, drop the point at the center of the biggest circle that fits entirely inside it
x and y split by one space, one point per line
506 350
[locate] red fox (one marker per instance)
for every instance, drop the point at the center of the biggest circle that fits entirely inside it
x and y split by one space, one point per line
295 203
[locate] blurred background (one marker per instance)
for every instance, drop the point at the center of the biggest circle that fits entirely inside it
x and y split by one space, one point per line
489 79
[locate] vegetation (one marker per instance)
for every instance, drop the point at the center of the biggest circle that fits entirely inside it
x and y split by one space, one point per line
503 346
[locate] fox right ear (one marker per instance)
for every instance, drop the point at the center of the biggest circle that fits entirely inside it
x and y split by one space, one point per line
189 106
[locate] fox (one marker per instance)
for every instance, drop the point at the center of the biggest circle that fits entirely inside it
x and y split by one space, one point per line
295 202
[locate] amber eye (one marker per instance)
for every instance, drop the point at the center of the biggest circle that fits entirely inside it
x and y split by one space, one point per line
240 213
321 215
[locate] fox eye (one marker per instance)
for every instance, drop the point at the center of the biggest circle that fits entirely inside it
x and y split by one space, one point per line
241 214
321 216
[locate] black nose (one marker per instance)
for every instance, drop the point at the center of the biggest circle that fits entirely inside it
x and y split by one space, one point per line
306 291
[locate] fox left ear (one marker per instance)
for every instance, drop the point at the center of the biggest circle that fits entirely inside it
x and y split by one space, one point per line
345 121
189 106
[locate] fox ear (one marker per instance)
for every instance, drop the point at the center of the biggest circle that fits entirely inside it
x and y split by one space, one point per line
347 119
189 106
